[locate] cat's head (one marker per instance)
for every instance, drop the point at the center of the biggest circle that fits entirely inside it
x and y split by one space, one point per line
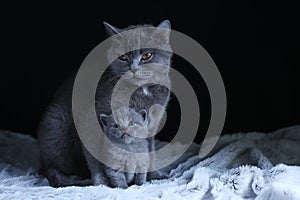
125 126
141 63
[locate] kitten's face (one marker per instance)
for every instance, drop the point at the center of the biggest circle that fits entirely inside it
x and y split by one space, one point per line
141 63
126 126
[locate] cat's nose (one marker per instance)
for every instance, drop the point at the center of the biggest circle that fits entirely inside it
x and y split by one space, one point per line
125 134
134 71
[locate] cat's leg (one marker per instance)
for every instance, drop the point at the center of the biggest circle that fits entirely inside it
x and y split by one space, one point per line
155 174
59 153
152 174
58 179
157 118
116 178
96 168
55 178
140 178
129 177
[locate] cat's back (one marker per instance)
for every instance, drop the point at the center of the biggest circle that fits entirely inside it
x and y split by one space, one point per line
59 143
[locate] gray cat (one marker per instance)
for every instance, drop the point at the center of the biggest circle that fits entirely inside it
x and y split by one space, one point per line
63 160
124 130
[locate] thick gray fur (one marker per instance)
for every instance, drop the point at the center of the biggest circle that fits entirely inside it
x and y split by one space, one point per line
122 129
63 160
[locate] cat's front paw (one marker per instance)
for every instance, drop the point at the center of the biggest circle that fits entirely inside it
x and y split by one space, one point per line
98 179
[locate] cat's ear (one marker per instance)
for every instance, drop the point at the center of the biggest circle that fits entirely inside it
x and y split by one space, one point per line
103 119
163 31
143 114
111 30
165 24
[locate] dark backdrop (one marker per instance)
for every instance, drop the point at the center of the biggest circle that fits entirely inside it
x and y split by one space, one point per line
255 45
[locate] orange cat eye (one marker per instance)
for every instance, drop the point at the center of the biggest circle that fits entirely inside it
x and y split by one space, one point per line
123 57
146 56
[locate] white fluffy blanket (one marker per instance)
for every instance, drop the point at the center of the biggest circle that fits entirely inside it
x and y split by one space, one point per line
242 166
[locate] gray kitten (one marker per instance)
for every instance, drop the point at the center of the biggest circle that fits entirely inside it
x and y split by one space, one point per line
122 130
63 160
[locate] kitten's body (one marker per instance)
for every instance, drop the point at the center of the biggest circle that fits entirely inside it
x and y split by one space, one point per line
122 169
61 149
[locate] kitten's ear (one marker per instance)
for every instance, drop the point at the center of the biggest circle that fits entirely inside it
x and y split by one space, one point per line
163 31
103 119
111 30
143 113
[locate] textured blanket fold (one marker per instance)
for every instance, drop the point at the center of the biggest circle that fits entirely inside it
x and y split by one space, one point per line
241 166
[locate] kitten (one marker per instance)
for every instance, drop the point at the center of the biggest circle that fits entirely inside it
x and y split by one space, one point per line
122 130
61 150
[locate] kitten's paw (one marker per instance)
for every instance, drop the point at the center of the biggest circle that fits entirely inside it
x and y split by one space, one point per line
118 183
139 183
140 179
121 185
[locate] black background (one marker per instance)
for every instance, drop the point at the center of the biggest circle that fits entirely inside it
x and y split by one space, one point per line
255 45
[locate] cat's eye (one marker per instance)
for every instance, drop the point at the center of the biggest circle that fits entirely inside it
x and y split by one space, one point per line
123 58
115 126
146 56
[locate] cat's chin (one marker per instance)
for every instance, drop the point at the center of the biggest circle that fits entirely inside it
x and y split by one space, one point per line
136 81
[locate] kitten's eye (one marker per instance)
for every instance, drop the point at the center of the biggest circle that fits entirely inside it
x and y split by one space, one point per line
123 58
115 126
146 56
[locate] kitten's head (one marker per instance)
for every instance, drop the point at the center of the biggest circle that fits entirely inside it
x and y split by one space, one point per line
141 63
125 126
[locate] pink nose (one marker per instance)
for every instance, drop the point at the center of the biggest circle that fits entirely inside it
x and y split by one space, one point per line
125 133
